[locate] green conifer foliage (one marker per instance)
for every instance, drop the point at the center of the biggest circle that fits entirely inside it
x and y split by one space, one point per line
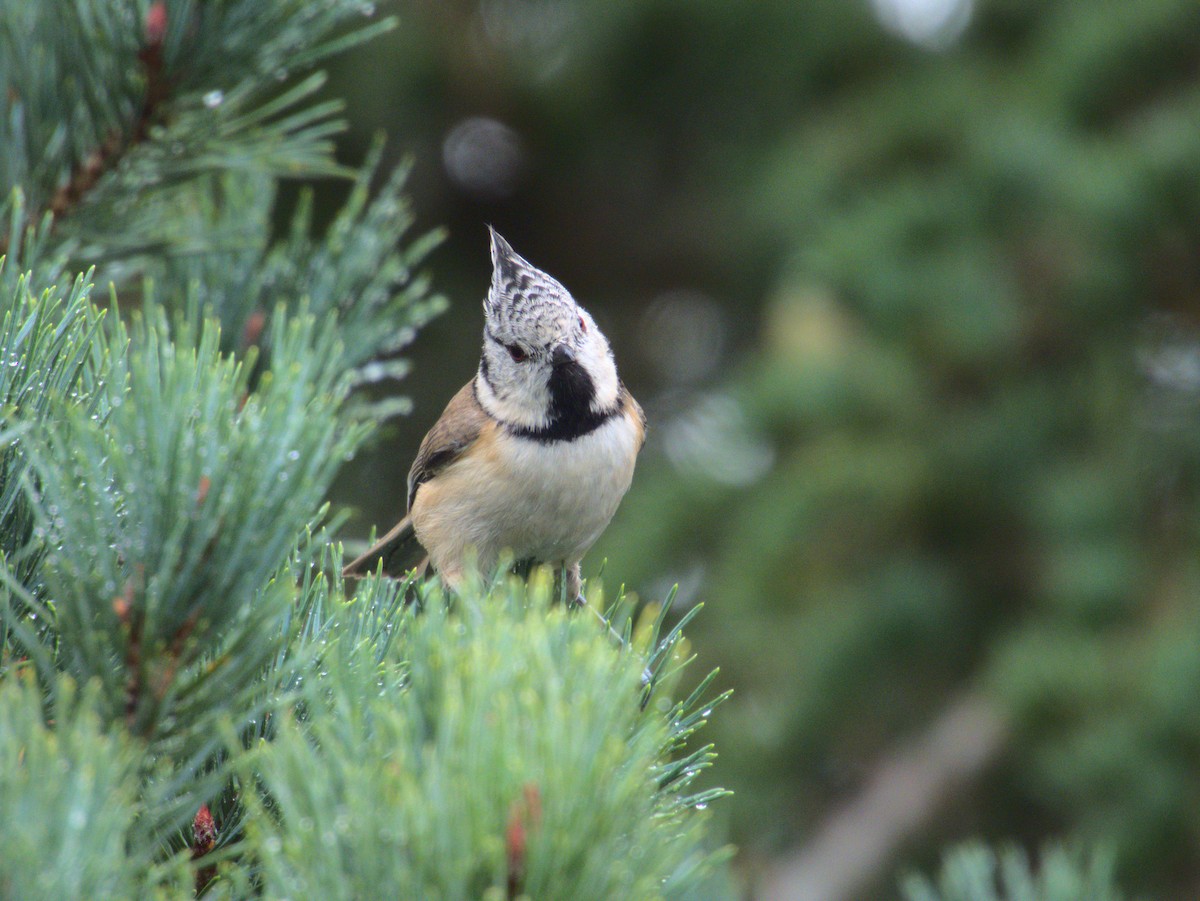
455 757
69 803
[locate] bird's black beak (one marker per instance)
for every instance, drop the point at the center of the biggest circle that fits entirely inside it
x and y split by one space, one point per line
562 355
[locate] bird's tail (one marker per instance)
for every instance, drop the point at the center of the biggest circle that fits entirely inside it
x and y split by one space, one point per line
399 551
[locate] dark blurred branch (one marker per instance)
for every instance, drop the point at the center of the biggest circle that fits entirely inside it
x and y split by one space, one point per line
851 849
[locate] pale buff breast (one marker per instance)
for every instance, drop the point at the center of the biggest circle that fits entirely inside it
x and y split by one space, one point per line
545 501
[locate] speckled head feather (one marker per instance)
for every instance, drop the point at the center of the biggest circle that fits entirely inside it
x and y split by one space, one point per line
544 361
524 302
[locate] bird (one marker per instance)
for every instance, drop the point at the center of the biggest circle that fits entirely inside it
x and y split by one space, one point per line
532 456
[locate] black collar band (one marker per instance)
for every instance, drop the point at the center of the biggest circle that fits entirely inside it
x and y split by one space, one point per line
565 426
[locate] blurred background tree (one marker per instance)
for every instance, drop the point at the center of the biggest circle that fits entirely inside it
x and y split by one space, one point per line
909 289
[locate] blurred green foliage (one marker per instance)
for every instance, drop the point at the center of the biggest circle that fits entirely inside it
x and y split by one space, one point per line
947 439
976 873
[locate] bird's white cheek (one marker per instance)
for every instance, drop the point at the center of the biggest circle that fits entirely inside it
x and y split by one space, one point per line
516 397
598 362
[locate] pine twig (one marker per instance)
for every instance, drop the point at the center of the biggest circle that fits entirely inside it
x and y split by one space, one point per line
131 621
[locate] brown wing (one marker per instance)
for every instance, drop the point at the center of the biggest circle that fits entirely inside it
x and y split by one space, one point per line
456 429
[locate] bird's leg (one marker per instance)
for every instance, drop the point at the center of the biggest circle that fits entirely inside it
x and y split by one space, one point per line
574 580
572 573
452 578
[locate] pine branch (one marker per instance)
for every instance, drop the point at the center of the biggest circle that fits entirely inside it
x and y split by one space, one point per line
188 90
69 804
87 173
486 756
163 581
32 255
46 343
361 273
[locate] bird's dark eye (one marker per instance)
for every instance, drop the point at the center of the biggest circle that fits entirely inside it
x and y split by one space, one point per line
518 354
582 325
